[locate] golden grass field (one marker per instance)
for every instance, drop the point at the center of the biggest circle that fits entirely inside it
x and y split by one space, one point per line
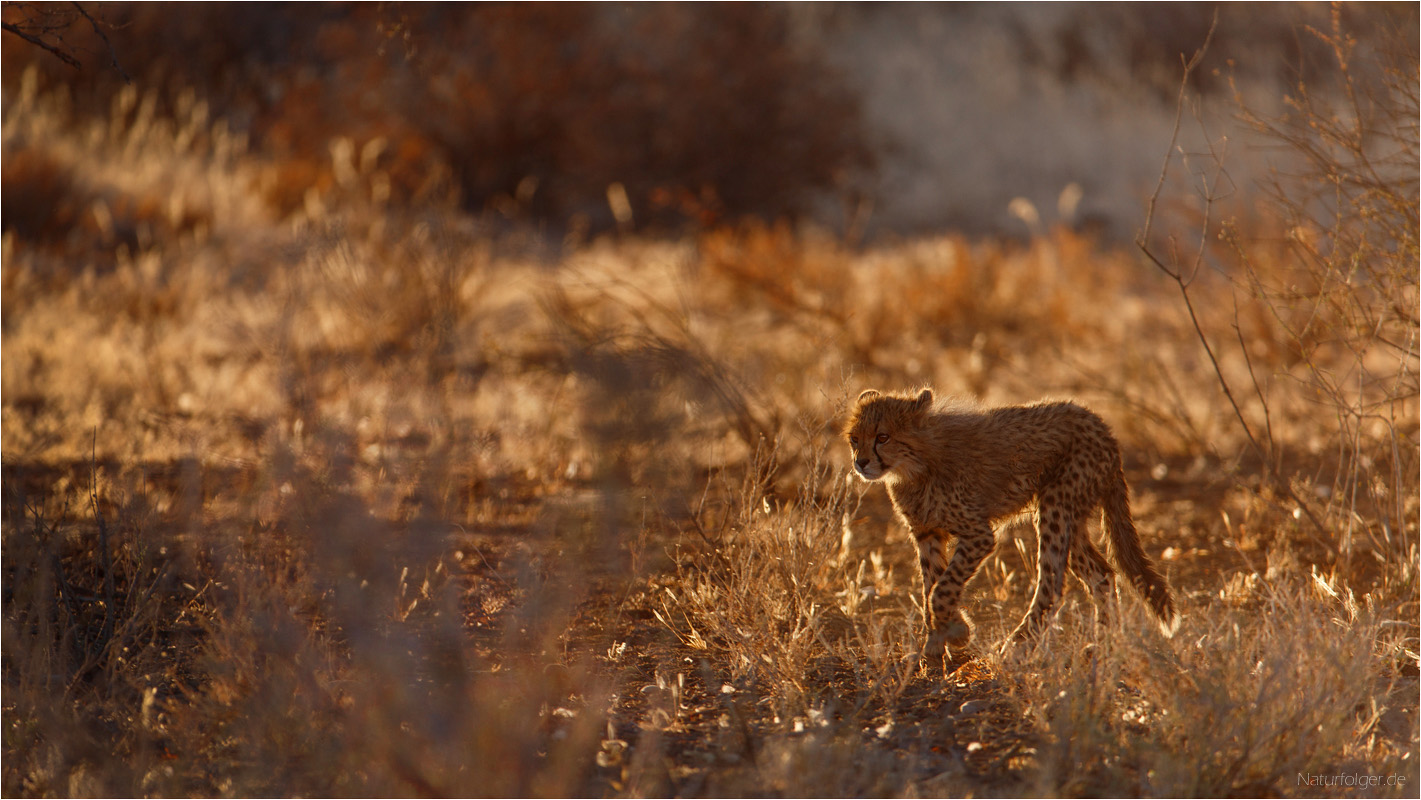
347 497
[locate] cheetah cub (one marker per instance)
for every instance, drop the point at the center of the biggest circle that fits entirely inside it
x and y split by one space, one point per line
952 472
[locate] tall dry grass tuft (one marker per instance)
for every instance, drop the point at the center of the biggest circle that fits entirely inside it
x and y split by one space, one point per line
1267 680
803 648
793 551
99 617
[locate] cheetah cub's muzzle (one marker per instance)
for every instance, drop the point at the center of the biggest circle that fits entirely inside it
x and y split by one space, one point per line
867 469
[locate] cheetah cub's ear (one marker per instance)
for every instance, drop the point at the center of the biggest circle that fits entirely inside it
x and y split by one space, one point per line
925 398
867 395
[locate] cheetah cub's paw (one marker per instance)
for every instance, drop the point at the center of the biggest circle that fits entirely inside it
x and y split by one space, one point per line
953 632
935 646
958 630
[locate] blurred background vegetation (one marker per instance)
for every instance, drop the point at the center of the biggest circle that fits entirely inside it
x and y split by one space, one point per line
528 110
888 118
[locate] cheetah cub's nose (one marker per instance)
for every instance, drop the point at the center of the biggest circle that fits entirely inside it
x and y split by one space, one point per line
862 464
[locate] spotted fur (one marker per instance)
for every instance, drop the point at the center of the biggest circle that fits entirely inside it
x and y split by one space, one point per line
954 472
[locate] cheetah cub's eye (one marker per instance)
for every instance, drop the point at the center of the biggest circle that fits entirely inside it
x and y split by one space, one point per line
853 441
882 437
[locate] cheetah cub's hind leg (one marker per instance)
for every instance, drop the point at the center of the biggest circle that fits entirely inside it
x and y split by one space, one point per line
1055 527
1095 574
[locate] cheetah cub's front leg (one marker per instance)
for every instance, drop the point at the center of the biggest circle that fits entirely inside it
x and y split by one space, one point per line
948 628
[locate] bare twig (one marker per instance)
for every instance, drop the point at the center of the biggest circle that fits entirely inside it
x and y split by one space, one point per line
1253 378
113 56
1265 450
45 534
40 43
1175 272
1189 66
110 599
44 30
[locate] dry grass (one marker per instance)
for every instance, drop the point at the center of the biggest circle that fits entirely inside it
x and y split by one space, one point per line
364 500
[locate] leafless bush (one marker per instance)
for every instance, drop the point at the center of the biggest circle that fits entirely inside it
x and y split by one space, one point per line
1343 293
1325 313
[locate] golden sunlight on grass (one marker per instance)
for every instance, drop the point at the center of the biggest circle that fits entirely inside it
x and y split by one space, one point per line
319 492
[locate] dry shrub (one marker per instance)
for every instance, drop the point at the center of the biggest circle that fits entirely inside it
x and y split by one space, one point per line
558 104
803 650
38 196
172 643
1269 680
1311 332
798 276
1341 291
939 309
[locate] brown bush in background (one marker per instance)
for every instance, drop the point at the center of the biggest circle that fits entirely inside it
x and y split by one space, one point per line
694 112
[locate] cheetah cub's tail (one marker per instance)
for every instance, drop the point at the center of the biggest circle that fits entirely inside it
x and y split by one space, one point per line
1123 545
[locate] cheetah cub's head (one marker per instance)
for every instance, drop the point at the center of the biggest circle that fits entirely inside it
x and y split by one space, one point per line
881 432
